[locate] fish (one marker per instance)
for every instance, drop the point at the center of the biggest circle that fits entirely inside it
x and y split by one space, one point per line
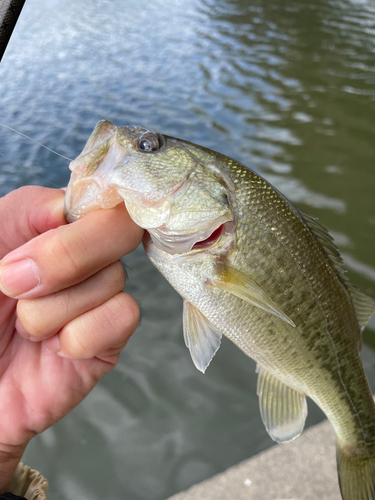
251 266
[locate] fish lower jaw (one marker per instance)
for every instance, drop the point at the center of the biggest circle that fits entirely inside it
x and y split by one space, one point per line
179 242
217 243
210 240
87 198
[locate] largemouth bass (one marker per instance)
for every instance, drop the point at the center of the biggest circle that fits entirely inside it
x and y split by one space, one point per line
251 266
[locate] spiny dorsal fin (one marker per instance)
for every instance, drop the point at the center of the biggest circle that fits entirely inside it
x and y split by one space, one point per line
326 240
283 409
201 337
364 306
233 281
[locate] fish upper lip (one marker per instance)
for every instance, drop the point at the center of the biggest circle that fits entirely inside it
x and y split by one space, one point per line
75 200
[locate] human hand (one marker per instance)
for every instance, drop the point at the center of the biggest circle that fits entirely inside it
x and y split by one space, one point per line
63 316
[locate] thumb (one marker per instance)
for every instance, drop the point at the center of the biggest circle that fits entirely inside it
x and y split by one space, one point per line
27 212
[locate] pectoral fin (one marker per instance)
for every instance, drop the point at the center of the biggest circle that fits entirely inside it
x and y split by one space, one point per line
201 337
283 409
245 288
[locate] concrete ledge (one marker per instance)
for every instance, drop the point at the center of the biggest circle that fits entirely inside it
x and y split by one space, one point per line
304 469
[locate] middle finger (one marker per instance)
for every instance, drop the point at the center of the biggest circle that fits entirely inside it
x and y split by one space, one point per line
43 317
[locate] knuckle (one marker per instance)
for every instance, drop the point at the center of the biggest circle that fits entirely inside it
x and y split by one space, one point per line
73 342
133 311
119 275
104 327
114 275
63 255
30 317
129 309
110 315
118 317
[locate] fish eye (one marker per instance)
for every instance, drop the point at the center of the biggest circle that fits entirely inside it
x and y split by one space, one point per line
149 142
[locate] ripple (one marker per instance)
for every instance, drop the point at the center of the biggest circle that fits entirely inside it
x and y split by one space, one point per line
359 267
298 193
285 87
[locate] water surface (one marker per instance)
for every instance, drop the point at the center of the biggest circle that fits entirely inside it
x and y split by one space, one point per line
286 87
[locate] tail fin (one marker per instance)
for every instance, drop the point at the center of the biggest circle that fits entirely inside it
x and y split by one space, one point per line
356 475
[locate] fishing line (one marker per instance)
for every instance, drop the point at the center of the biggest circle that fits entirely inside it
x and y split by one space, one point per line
35 175
36 142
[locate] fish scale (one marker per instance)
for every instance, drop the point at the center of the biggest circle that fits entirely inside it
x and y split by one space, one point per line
257 345
250 266
325 287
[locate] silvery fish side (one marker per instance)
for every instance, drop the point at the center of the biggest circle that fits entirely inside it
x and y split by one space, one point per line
250 266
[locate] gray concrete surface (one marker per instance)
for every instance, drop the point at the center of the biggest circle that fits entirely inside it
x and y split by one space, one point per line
304 469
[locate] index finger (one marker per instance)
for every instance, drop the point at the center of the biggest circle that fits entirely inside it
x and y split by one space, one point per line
69 254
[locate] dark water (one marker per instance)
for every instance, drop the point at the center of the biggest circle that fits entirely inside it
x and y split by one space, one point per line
286 87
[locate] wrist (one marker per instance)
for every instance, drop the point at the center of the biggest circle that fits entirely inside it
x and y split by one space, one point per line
10 456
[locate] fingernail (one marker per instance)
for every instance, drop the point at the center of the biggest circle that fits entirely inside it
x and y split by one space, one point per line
19 277
53 344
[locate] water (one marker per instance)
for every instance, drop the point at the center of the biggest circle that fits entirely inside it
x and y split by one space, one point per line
286 87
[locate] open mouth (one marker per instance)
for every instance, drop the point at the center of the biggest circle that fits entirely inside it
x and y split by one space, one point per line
183 243
211 240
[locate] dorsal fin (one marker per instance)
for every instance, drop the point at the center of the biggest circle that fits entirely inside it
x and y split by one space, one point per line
326 240
364 306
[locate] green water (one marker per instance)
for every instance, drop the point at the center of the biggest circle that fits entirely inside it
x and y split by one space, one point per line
286 87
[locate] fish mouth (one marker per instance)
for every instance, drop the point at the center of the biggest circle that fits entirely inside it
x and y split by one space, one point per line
211 240
199 238
84 196
221 235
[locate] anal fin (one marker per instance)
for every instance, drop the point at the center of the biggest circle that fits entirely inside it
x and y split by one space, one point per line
283 409
201 337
